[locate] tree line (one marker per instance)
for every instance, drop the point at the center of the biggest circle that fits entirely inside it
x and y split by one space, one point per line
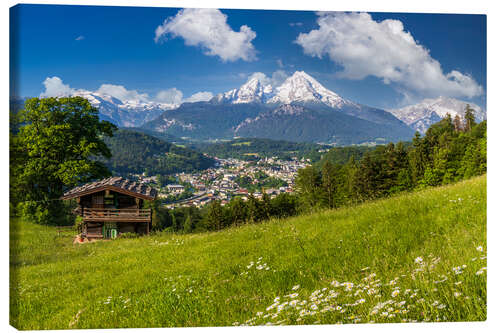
450 151
58 143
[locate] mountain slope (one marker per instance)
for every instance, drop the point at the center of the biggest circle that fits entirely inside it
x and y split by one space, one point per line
204 120
253 91
134 152
296 123
420 116
216 279
301 88
124 113
247 111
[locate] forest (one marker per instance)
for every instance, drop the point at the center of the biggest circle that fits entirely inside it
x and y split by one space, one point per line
133 152
250 149
450 151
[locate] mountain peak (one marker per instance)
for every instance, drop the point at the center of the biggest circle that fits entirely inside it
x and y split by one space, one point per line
421 115
299 88
303 88
252 91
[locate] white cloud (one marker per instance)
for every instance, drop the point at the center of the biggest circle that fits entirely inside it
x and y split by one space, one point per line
80 38
277 78
208 29
170 96
280 63
54 87
364 47
201 96
122 93
295 24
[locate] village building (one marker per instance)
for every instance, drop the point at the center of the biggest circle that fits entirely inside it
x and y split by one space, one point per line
175 188
112 206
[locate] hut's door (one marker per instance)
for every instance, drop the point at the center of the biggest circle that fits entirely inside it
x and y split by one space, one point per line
98 200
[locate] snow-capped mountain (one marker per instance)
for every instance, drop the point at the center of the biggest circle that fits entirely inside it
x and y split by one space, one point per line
300 88
253 91
303 88
420 116
299 109
131 113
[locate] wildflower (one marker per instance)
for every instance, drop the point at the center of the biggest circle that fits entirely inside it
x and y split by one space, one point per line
335 283
270 307
395 293
479 248
441 306
296 287
457 294
419 260
348 286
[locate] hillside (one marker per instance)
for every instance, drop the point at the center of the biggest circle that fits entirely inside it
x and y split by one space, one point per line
203 120
247 148
300 110
134 152
416 257
305 124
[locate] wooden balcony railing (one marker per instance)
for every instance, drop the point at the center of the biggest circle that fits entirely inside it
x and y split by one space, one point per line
116 215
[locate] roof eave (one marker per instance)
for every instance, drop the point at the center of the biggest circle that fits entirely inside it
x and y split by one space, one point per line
108 187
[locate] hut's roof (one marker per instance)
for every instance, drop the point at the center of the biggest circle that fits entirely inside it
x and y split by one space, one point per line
117 184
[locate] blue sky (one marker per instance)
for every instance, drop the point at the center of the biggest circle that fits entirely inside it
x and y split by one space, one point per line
379 59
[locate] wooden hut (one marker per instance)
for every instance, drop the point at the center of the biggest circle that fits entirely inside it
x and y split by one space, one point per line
112 206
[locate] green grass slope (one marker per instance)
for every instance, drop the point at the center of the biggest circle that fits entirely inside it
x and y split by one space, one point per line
416 257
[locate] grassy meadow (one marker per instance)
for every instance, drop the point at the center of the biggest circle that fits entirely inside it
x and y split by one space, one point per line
415 257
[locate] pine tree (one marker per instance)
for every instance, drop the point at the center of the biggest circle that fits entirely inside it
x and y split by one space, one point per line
308 182
188 224
469 118
328 183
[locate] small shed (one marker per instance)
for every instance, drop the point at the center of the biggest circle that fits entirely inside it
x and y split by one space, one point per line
112 206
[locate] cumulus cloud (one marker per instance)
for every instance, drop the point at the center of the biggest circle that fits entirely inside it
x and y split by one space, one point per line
364 47
208 29
122 93
275 80
201 96
171 96
80 38
54 87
